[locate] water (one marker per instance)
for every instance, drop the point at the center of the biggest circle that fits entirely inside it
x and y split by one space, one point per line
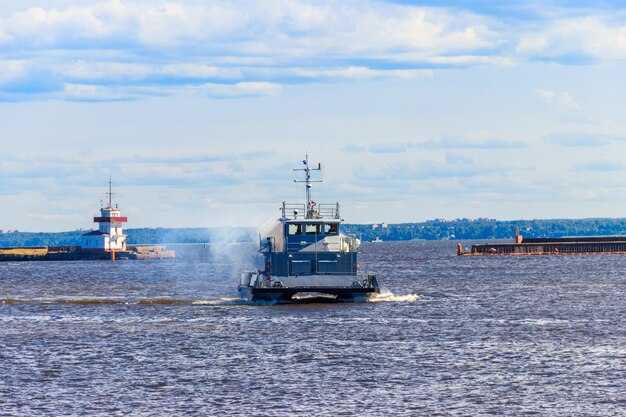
449 336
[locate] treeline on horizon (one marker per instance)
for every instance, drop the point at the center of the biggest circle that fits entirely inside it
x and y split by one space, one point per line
489 229
142 236
431 230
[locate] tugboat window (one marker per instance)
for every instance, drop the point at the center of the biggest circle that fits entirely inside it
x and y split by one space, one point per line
295 229
331 229
311 229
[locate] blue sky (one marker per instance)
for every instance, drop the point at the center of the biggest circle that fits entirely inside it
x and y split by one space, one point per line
417 110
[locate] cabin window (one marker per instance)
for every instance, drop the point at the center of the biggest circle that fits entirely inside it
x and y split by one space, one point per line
311 229
294 229
331 229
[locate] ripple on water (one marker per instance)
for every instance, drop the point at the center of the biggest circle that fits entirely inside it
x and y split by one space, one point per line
447 336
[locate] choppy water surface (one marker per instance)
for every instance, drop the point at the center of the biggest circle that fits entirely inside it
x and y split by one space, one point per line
450 336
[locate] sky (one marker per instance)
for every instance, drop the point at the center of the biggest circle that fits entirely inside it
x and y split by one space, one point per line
199 110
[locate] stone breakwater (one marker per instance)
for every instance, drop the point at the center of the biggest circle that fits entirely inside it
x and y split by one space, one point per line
73 253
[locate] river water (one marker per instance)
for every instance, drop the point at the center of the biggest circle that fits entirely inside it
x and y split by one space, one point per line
449 336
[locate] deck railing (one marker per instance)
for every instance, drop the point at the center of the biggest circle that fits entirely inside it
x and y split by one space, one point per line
292 211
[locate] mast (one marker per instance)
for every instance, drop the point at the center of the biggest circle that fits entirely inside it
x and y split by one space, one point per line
307 180
110 193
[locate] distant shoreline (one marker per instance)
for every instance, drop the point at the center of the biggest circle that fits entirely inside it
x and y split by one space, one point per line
460 229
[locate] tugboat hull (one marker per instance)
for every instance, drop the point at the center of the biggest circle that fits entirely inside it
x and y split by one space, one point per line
255 287
286 294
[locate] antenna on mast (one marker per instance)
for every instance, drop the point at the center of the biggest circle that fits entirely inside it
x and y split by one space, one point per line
307 180
110 193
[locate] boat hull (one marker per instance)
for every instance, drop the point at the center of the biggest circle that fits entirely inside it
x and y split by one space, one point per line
286 294
255 287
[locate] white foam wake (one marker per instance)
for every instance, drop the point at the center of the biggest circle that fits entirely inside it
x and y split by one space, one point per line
221 301
388 296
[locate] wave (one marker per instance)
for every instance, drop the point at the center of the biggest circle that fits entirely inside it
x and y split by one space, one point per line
544 322
61 301
110 301
86 301
221 301
164 301
385 296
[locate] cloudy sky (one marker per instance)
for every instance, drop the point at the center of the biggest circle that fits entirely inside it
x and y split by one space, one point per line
417 109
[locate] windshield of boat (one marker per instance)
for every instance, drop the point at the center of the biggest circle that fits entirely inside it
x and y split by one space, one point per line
313 228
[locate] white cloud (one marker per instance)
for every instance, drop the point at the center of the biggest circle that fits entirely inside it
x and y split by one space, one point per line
174 24
388 148
39 28
602 38
122 72
562 100
89 92
472 60
584 140
4 38
454 158
106 71
546 96
348 27
470 142
355 72
243 89
11 70
466 143
566 101
600 166
178 44
532 44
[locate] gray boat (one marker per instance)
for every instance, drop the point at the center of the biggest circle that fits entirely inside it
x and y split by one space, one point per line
307 256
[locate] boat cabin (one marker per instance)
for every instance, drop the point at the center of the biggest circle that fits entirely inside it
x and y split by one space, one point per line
309 246
300 234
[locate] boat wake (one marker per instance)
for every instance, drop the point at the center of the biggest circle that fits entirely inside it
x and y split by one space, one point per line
220 302
110 301
386 296
164 301
389 297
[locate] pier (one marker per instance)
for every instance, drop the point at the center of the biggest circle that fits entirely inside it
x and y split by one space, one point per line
549 246
76 253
